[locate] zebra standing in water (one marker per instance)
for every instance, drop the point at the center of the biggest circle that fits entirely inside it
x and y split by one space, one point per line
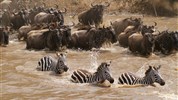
151 76
102 74
49 63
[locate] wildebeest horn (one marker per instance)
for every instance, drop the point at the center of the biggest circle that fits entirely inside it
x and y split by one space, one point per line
73 24
111 23
44 4
92 4
155 23
159 66
103 26
107 4
65 10
56 6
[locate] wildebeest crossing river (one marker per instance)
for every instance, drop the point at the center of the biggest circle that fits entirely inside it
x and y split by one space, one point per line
21 80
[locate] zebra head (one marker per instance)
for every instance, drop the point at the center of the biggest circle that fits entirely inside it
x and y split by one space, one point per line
154 74
61 64
104 72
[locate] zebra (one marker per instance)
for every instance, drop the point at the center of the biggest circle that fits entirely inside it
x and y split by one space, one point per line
48 63
84 76
151 76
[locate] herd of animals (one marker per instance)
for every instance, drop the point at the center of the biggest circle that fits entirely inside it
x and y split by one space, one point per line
43 27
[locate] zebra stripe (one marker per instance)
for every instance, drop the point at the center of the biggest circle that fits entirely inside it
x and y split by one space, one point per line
151 76
45 63
83 76
49 63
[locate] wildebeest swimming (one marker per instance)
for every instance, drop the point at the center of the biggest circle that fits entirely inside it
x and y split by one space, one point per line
50 15
151 76
141 29
19 19
23 30
120 25
142 44
92 38
50 38
93 16
166 42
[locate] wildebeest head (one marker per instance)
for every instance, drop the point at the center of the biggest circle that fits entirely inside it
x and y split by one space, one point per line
99 7
110 34
59 17
134 21
166 42
148 42
174 35
147 29
66 35
55 38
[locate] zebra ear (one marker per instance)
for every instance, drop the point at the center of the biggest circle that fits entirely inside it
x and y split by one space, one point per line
150 67
110 62
159 66
61 54
66 53
58 54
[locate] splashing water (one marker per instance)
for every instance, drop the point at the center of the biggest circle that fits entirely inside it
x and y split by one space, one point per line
141 71
93 61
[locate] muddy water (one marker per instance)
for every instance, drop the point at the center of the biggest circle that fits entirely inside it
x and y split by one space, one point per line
20 79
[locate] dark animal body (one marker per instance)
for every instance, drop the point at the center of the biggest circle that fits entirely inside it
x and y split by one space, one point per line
4 36
93 16
142 44
18 20
92 38
166 42
53 39
141 29
120 25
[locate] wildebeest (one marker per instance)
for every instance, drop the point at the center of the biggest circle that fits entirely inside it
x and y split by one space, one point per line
92 38
166 42
50 38
93 16
51 15
37 39
120 25
18 19
23 30
142 29
43 17
58 14
4 36
5 18
143 44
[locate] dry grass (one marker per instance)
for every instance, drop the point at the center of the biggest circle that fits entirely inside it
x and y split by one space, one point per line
162 7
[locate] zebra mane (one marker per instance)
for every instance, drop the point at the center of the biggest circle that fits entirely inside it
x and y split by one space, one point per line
148 70
152 68
101 66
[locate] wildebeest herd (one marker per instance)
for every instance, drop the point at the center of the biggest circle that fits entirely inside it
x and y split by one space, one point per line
42 27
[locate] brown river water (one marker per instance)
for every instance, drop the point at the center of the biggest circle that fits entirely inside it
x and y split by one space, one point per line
20 79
